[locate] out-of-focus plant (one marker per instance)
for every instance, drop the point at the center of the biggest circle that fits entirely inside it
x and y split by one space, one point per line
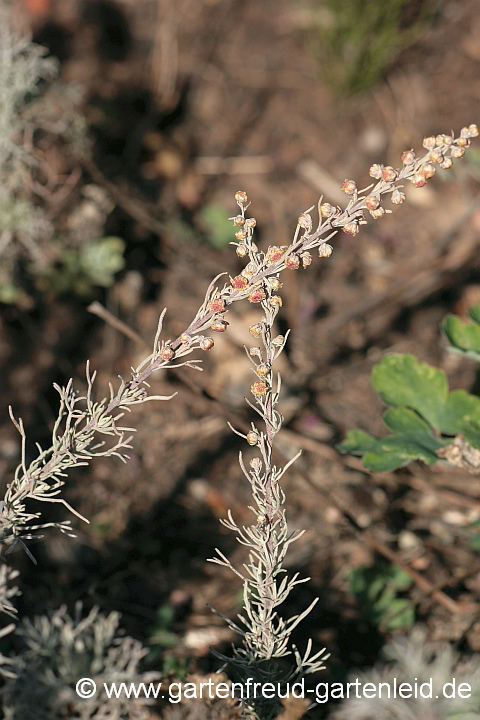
377 589
38 113
357 42
57 651
414 661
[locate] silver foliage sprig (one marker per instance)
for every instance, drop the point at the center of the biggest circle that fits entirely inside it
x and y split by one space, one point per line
84 429
266 637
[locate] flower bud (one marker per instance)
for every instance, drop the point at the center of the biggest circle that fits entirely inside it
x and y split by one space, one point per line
206 343
428 170
325 250
257 296
407 157
349 187
447 163
217 305
249 270
457 152
436 156
241 197
276 301
398 197
440 140
389 174
376 171
168 353
256 465
259 388
240 234
372 202
256 330
240 282
185 338
278 341
219 325
274 283
463 142
261 519
238 220
429 142
306 259
351 228
252 438
327 210
419 180
250 223
255 352
241 251
305 221
378 213
293 262
473 130
262 370
274 254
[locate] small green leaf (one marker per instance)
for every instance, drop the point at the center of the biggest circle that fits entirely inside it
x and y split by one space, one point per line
462 415
357 442
474 313
404 380
463 336
404 420
401 614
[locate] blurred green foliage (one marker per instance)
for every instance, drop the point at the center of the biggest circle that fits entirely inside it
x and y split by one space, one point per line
377 589
356 42
81 269
219 228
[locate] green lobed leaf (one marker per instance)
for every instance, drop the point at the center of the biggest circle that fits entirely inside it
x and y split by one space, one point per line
404 380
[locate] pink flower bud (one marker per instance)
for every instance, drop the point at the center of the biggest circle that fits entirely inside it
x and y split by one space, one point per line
219 325
372 202
351 228
419 180
349 187
293 262
217 305
408 157
428 170
257 296
206 343
259 388
240 282
389 174
241 197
